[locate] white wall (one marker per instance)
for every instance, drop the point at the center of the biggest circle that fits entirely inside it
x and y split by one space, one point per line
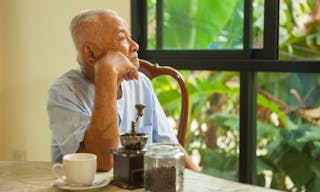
1 81
36 49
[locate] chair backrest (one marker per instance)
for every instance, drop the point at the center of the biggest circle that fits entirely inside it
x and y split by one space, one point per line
154 70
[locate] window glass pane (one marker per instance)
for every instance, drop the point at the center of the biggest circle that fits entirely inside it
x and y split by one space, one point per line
258 23
299 34
213 130
152 24
196 24
288 135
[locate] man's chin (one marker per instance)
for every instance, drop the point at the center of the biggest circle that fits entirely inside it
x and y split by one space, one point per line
136 62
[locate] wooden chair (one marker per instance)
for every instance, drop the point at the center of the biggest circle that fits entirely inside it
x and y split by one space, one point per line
154 70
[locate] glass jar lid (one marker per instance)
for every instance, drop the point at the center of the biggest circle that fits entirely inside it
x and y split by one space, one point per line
163 150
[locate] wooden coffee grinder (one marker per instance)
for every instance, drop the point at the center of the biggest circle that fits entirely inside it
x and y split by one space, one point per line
128 160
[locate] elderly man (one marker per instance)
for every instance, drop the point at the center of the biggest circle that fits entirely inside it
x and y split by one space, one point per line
90 106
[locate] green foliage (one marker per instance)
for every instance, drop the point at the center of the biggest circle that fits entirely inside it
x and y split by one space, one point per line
291 151
299 34
227 164
196 24
194 27
292 155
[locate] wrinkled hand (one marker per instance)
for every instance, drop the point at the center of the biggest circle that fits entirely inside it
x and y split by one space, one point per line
117 62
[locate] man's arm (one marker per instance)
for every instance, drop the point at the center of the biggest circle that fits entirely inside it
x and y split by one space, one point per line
102 133
188 161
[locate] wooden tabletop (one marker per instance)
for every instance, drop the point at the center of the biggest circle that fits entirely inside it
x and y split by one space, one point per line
20 176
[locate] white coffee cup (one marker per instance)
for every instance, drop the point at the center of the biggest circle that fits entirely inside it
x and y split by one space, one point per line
77 169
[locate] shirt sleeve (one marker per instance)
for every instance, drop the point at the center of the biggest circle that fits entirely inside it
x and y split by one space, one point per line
67 120
163 132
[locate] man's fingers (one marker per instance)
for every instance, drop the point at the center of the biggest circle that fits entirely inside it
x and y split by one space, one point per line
135 73
125 69
131 75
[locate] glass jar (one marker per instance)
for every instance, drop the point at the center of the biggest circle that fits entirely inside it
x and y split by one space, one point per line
164 168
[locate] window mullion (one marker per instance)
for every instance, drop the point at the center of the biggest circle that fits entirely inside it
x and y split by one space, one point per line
139 24
248 127
248 103
271 29
159 21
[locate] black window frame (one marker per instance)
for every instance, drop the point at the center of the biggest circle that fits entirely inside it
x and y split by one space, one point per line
247 61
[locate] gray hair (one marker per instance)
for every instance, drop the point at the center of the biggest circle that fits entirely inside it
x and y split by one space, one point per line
87 26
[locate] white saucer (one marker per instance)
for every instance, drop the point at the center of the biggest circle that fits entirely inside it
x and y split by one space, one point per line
100 180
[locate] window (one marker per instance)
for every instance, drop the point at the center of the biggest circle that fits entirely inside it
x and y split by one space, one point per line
192 25
266 45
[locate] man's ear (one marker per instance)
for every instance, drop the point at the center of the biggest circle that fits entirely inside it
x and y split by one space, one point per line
88 54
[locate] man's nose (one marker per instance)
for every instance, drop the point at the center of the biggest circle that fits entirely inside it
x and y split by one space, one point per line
134 45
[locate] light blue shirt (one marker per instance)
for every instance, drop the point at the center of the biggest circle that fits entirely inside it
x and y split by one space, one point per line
70 102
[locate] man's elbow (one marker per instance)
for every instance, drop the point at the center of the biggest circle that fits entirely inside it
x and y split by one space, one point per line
104 164
104 159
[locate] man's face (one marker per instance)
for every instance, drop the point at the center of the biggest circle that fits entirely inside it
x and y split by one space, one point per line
119 39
